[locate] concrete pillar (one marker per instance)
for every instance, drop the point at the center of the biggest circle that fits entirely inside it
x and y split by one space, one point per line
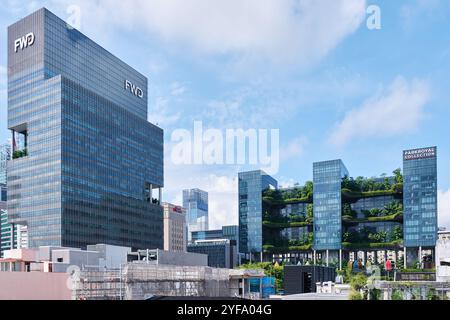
328 257
420 257
404 257
314 257
151 192
340 259
13 226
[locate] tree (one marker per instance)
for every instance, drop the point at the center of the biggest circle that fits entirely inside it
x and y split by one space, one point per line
396 233
397 295
348 211
309 213
308 189
398 177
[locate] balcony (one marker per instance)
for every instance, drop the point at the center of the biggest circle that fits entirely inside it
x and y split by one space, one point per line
20 154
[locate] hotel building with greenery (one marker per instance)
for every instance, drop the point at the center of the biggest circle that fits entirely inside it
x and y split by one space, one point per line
337 218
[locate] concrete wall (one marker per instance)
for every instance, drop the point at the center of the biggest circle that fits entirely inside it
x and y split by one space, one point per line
442 254
111 257
182 258
34 286
21 254
76 257
45 253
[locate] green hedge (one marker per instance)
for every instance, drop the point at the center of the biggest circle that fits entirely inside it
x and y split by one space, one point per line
392 217
356 195
272 201
393 244
270 224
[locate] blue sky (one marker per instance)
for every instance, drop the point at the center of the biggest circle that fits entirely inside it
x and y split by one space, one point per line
311 69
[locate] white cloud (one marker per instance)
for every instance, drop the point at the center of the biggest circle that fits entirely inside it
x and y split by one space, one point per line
161 113
177 89
444 208
292 31
391 112
221 185
294 149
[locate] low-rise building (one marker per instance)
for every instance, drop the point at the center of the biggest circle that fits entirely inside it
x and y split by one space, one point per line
222 253
163 257
443 256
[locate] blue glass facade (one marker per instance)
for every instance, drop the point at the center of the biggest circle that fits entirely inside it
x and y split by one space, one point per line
251 186
196 203
327 178
91 155
227 232
420 197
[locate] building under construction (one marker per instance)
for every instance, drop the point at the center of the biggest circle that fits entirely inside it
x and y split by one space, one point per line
139 281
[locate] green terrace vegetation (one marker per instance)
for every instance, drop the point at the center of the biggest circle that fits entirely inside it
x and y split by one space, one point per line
275 200
272 218
20 154
361 187
393 211
276 225
367 238
373 245
282 245
296 194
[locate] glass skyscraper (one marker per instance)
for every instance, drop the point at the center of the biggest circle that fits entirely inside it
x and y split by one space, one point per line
85 158
5 156
327 176
196 203
251 186
420 197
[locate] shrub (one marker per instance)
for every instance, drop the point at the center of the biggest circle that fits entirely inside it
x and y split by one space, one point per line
355 295
358 281
397 295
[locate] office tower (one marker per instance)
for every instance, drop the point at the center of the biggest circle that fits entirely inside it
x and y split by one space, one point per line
196 203
5 156
86 162
174 228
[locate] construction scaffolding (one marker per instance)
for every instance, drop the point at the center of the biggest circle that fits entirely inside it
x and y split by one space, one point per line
98 285
138 281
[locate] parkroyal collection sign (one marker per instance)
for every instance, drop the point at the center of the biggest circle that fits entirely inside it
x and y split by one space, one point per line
419 154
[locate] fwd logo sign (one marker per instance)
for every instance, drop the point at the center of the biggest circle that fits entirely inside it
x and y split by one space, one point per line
24 42
138 92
